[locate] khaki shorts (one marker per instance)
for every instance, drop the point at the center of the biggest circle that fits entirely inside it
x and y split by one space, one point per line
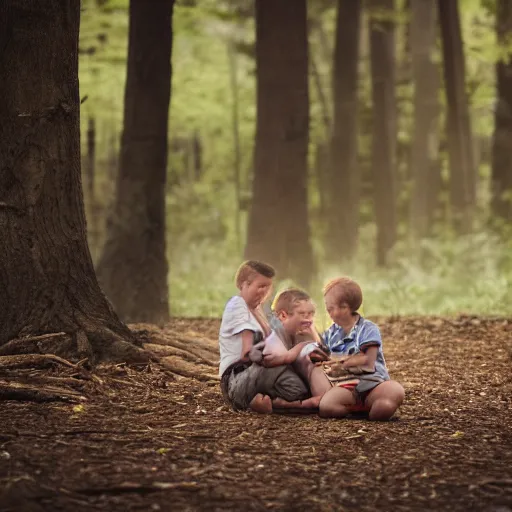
241 382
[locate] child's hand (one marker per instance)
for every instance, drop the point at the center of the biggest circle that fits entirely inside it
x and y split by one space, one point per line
308 331
318 356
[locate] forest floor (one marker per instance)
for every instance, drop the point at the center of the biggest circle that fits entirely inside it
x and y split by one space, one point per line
152 439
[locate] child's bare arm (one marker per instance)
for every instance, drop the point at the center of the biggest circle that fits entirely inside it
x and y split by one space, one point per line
270 360
247 341
363 359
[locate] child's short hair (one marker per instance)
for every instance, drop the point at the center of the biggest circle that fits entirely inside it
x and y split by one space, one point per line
288 299
348 292
248 269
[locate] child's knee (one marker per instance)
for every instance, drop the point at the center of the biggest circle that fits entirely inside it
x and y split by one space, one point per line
331 409
383 409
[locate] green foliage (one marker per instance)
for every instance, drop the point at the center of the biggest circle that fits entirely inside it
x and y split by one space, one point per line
472 274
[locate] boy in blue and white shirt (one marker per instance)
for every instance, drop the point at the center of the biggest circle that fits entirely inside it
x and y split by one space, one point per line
356 348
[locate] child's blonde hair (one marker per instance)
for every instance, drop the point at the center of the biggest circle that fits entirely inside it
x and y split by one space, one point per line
250 268
347 292
288 299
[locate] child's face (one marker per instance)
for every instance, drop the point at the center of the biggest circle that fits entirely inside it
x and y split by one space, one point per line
339 312
300 319
255 291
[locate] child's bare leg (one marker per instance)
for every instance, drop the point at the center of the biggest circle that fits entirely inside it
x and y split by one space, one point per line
261 404
309 403
336 403
384 400
318 381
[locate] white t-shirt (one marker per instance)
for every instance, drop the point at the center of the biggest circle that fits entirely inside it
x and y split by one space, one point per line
236 318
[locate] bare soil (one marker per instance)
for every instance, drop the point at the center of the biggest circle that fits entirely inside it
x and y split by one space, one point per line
154 438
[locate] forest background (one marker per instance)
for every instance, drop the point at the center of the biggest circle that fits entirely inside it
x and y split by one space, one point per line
445 269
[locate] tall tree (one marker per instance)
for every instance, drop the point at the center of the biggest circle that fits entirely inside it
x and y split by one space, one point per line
425 179
382 63
502 140
462 170
278 230
133 268
343 192
46 272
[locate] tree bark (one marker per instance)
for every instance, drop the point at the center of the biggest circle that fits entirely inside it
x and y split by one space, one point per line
343 191
425 183
278 230
382 55
133 268
501 204
462 171
46 273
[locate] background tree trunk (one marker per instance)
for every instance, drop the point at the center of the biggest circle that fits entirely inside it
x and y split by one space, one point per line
343 192
382 56
278 230
91 206
133 268
462 171
46 273
502 141
425 183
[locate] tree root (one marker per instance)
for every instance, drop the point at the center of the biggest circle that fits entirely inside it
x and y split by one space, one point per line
186 369
26 392
54 343
210 346
171 350
187 346
33 360
91 342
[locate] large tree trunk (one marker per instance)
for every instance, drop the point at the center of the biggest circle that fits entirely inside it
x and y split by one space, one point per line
278 229
382 61
502 141
462 171
133 268
425 181
343 192
47 279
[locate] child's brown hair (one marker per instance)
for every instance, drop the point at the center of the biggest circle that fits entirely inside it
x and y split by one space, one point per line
287 300
347 290
248 269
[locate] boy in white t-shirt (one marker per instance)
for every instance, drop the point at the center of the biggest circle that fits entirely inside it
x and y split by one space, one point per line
246 384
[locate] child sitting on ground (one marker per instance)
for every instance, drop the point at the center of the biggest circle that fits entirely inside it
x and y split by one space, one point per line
292 320
358 342
244 384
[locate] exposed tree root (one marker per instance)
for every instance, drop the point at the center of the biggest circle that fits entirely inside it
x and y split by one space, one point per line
54 343
92 342
26 392
171 350
186 369
33 360
185 344
39 379
203 343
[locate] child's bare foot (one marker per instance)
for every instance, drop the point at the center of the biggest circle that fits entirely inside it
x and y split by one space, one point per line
261 404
